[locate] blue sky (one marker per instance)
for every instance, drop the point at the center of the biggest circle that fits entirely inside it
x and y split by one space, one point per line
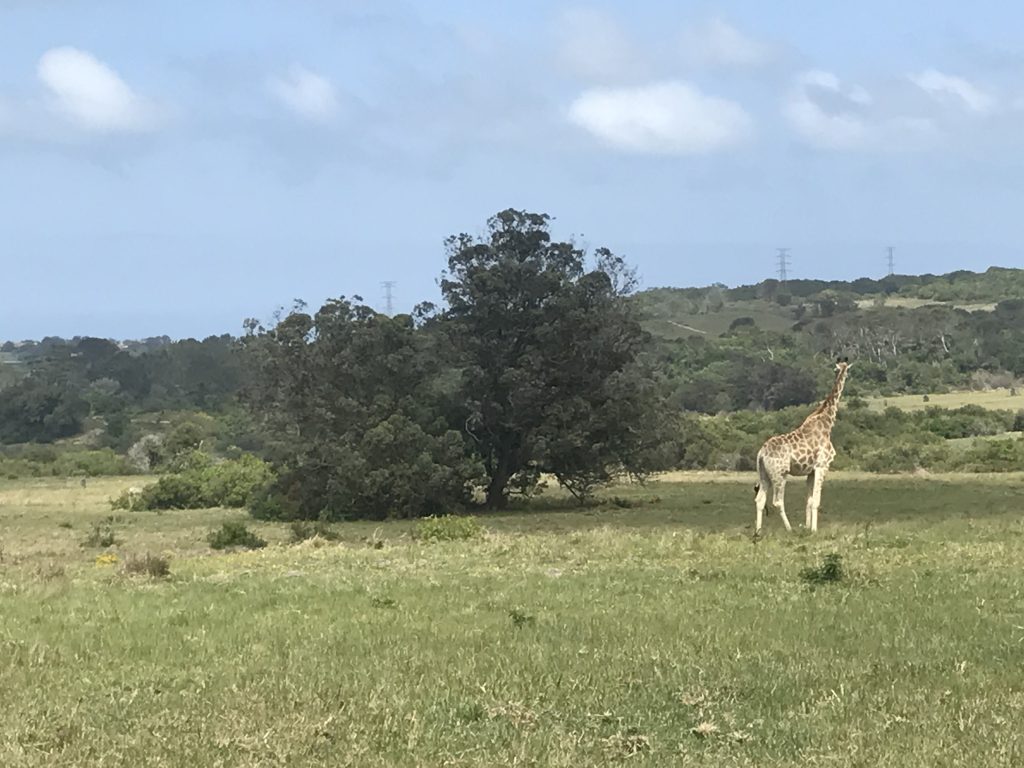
177 167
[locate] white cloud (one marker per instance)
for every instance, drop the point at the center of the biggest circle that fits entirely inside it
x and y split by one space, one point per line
90 94
670 117
306 93
717 43
943 88
842 127
829 115
593 45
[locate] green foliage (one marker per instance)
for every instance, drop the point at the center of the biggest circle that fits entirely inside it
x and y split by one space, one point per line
545 343
234 533
69 381
993 456
888 442
448 528
829 571
358 406
42 408
47 461
173 492
202 483
100 536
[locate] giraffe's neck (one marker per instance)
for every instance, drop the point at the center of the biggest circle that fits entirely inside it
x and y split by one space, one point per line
830 405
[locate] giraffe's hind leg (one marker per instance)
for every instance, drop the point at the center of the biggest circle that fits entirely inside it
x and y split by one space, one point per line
760 499
779 501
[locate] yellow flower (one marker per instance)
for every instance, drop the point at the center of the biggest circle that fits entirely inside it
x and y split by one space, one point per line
107 558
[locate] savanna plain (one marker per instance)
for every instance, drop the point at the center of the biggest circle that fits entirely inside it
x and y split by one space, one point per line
650 629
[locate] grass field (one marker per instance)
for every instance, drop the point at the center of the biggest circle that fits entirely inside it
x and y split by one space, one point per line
994 399
673 319
908 302
658 634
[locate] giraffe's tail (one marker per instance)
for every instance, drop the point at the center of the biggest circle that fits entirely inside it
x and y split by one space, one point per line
761 474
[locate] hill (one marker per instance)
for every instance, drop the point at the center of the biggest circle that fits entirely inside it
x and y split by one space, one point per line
750 356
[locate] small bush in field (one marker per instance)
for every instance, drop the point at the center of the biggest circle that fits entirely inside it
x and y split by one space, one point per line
830 571
302 530
156 566
174 492
101 536
448 528
235 534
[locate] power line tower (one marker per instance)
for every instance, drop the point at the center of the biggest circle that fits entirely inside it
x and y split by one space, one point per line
388 297
892 261
783 259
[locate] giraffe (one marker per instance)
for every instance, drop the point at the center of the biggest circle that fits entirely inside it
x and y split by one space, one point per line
806 451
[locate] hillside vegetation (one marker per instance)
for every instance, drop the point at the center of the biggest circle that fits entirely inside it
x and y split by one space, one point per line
563 370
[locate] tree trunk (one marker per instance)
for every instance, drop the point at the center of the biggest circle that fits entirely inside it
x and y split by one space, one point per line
497 498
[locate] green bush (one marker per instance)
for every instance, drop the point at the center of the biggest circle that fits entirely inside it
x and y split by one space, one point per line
100 536
235 534
448 528
829 571
394 470
905 457
47 461
231 483
993 456
175 492
202 484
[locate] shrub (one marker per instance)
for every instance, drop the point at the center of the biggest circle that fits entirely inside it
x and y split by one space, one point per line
829 571
98 463
231 483
448 528
303 530
100 536
147 453
994 456
46 461
174 492
156 566
201 483
234 533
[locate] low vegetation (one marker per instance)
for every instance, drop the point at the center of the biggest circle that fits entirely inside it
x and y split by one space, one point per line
655 633
235 534
201 482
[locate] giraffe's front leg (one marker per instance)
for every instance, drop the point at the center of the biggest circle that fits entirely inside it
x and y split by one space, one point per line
809 510
819 481
760 499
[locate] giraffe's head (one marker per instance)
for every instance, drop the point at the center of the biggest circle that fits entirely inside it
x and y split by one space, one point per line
843 365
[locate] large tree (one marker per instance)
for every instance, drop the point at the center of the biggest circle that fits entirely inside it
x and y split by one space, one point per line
547 343
354 407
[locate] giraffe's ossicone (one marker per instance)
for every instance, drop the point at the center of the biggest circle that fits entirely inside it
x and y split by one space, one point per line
805 452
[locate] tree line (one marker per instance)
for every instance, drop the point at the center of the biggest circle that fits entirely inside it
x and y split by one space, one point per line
540 362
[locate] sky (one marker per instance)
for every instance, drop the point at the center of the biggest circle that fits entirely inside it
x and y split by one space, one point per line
176 167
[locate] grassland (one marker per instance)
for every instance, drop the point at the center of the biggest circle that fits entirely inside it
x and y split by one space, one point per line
909 302
673 317
648 631
999 399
